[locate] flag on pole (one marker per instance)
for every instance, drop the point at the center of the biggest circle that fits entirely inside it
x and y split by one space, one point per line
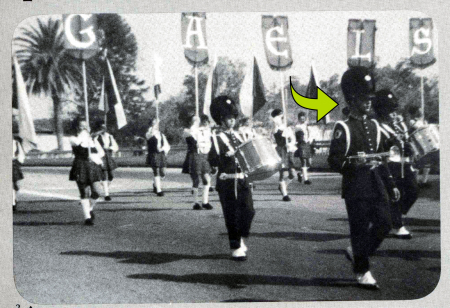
251 96
157 78
20 101
103 103
311 89
112 97
211 87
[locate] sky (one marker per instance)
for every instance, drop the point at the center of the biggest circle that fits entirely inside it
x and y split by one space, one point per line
318 36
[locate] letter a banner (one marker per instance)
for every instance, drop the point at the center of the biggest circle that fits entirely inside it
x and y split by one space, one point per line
421 42
80 35
193 37
361 43
276 42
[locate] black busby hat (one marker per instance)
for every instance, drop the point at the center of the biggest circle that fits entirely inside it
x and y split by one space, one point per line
384 103
357 81
223 107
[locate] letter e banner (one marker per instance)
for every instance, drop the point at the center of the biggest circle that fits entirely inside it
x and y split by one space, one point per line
276 42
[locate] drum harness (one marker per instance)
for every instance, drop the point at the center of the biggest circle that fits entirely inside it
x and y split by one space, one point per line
225 176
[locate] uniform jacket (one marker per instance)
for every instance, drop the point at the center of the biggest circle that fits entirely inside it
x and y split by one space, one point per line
222 143
359 181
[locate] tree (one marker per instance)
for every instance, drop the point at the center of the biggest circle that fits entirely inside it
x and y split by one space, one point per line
47 67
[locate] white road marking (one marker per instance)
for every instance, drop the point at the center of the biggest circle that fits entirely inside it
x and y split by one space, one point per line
50 195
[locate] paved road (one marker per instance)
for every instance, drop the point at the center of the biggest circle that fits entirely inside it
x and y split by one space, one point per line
147 249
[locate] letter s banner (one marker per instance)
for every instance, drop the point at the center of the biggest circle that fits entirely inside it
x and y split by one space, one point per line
421 42
80 34
276 42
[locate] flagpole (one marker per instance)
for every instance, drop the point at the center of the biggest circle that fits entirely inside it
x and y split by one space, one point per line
422 97
283 103
86 99
196 90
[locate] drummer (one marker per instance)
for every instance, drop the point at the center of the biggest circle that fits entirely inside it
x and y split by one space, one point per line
286 146
234 192
395 132
417 121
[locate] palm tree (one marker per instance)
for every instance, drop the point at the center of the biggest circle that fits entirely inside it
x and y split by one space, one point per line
47 66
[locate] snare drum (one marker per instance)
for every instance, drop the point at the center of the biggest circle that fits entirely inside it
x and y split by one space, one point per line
258 159
425 142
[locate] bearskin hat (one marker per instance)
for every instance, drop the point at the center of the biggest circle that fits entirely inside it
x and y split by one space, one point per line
223 107
357 81
384 103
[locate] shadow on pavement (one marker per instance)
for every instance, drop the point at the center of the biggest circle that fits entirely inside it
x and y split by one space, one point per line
22 212
303 236
241 280
41 223
145 257
420 222
434 231
408 255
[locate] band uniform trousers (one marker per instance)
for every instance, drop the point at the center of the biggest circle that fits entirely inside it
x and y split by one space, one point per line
238 210
409 192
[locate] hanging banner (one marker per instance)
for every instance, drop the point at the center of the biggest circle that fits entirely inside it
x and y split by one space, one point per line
193 37
276 42
361 43
421 42
80 34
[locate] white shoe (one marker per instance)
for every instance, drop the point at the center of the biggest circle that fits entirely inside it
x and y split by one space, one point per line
366 280
238 254
401 233
243 246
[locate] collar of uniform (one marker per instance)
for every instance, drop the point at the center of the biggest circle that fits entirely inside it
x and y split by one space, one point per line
358 117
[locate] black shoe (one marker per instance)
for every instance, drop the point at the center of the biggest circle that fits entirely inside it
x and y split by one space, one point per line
299 178
89 222
14 208
108 198
207 206
308 182
286 198
160 194
211 189
154 189
92 215
197 207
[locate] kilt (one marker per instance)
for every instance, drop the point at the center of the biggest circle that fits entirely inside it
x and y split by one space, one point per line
186 165
157 160
199 164
85 172
108 166
287 158
17 172
304 151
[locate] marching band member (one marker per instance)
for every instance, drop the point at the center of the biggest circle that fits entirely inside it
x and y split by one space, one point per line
233 188
286 146
303 147
416 122
199 144
395 131
86 168
246 130
109 145
17 160
158 147
366 183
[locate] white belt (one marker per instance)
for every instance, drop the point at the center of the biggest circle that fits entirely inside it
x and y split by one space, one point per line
232 176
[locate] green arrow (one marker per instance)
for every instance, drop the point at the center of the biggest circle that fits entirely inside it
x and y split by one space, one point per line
323 103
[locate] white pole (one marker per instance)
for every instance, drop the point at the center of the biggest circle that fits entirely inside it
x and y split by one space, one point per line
196 90
422 97
283 102
86 107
